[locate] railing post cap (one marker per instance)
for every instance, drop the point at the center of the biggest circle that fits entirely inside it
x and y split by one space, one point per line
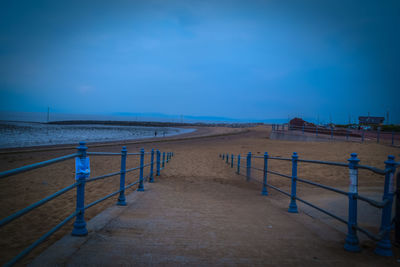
123 149
390 160
142 150
265 154
353 158
82 145
295 154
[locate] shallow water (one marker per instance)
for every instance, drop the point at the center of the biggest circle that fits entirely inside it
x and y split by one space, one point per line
25 134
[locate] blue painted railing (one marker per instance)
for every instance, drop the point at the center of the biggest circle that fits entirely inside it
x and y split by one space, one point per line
79 227
384 246
361 135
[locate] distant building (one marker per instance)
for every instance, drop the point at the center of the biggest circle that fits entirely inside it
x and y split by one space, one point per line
370 120
299 122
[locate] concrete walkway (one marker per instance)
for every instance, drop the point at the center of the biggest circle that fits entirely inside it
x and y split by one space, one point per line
205 220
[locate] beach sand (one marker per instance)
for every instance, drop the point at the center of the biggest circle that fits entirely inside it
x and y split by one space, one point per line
21 190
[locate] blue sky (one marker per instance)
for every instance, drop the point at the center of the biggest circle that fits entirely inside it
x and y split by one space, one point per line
239 59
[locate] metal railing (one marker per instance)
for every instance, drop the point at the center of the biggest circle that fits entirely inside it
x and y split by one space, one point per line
82 177
384 246
343 134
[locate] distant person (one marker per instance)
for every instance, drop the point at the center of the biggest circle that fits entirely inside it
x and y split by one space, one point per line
155 133
164 133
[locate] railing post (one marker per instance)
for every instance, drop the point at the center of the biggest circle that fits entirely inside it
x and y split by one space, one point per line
293 205
384 247
151 180
163 160
248 167
82 172
351 242
227 158
121 198
158 163
264 189
397 215
167 157
223 156
141 187
238 164
232 161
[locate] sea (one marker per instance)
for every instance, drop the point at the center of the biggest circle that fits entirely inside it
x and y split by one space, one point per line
31 129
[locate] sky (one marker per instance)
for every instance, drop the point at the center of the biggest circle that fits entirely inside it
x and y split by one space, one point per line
259 60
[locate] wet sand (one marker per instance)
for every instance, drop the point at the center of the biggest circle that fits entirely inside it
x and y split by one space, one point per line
21 190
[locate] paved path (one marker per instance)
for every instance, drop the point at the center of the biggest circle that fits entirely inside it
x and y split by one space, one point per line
204 218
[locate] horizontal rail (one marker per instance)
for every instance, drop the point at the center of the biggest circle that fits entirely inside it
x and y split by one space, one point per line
373 169
35 205
341 164
132 169
103 176
103 153
279 190
368 233
132 184
36 165
322 186
258 169
280 174
322 210
101 199
137 168
372 202
40 240
279 158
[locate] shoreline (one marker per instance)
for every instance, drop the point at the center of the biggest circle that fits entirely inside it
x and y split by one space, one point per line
199 132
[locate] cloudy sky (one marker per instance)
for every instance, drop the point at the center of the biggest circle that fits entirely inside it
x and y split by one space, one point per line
239 59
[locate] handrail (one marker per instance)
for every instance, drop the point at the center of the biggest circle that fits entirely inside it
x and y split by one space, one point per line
324 162
323 186
372 202
322 210
35 205
103 153
102 176
36 165
80 184
351 243
280 174
40 240
373 169
279 158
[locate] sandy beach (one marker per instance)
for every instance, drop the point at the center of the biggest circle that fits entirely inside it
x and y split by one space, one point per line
194 152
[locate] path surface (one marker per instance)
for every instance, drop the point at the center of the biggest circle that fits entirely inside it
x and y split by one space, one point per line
204 215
